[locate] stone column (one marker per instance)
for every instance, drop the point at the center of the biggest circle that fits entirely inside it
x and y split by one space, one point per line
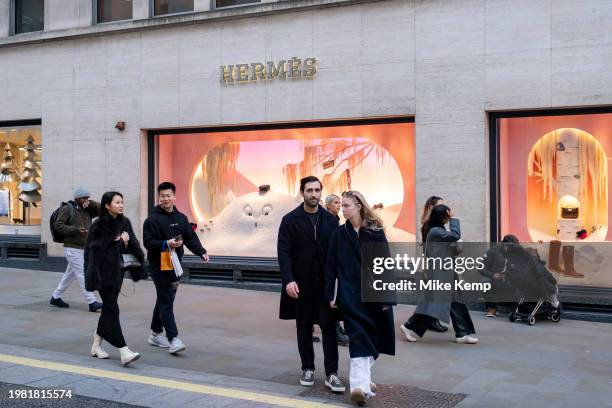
141 9
202 5
5 20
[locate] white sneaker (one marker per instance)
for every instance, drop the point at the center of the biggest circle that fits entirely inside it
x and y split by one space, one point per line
158 340
469 339
127 355
409 334
176 345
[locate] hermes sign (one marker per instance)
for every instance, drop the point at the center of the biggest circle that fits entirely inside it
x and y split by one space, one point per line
293 68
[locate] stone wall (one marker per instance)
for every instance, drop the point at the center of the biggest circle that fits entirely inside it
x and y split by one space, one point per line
446 62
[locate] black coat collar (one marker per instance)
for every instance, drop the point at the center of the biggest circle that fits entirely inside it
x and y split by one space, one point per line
353 238
306 225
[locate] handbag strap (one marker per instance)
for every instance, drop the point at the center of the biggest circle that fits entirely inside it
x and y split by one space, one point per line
133 290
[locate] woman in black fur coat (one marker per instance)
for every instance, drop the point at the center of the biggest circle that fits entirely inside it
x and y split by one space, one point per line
110 236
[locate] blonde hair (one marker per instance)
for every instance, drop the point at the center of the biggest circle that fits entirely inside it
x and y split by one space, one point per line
371 220
330 198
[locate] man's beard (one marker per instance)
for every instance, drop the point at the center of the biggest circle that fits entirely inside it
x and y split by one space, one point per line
308 204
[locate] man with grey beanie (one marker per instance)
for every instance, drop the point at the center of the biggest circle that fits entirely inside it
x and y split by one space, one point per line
73 222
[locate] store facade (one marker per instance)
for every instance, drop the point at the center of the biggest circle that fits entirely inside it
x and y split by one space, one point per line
400 99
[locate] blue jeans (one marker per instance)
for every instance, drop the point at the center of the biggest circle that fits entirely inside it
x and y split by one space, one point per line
166 285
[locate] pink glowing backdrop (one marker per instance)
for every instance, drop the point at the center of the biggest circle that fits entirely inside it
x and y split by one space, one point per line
517 137
259 162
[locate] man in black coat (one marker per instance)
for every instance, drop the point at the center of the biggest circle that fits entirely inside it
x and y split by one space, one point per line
303 241
167 228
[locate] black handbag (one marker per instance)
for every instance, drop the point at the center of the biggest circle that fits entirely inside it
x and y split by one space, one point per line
131 266
129 261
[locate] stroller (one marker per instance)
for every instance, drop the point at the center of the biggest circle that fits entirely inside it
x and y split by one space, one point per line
535 286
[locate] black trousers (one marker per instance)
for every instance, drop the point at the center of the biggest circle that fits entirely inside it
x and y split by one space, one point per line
330 343
460 316
166 285
109 327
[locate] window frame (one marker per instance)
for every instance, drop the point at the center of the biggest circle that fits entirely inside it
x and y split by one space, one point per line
213 5
13 19
153 15
94 14
494 153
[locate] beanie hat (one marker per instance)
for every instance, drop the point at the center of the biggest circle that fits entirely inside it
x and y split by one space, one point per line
81 192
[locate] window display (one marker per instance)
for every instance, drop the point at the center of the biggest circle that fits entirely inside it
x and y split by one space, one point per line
20 177
554 191
236 186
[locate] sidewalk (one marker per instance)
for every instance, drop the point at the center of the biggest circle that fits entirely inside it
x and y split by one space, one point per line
236 341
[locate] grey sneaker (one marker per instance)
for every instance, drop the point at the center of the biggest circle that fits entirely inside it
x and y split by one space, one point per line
176 345
334 383
158 340
307 378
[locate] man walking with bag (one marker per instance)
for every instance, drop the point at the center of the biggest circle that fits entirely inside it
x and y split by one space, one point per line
303 241
72 224
166 230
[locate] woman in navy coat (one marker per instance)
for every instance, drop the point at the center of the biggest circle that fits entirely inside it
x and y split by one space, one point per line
369 326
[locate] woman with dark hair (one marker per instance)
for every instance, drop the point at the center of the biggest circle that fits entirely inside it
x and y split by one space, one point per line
430 203
369 325
110 237
438 242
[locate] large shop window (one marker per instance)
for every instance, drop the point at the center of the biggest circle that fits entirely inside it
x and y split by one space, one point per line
113 10
237 185
20 178
554 190
162 7
29 16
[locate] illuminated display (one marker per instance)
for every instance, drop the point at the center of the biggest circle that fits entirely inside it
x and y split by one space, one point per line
223 178
554 190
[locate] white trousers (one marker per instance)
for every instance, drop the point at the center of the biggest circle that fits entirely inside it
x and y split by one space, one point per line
74 270
361 374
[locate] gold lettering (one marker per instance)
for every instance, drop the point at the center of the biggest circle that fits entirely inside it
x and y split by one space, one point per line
242 72
310 67
227 74
276 71
258 71
295 67
270 70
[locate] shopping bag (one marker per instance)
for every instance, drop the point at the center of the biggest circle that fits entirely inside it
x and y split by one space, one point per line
176 263
165 261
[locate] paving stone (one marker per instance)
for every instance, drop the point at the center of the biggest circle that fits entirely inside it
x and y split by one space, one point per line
257 352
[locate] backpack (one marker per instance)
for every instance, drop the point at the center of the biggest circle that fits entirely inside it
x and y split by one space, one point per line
55 234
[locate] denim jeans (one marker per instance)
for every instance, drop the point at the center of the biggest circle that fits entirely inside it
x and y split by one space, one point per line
166 285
